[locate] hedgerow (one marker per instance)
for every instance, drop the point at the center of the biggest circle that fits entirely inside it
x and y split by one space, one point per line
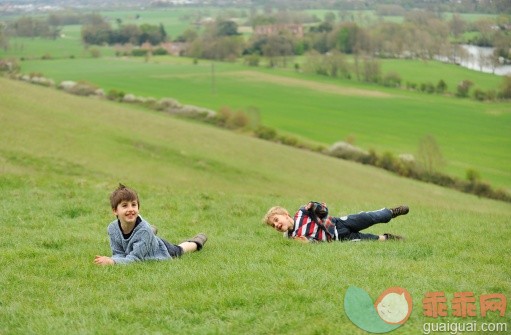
403 165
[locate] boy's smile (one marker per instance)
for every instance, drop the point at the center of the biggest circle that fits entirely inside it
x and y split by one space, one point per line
127 212
282 222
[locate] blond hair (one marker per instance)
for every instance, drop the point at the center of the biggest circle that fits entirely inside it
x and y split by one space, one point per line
276 210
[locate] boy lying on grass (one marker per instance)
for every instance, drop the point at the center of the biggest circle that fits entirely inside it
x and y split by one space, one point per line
313 224
134 239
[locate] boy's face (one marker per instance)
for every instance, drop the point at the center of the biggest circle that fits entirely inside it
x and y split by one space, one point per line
127 211
282 222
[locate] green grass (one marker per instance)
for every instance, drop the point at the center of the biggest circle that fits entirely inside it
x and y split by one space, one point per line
471 135
287 100
67 46
62 155
418 72
174 20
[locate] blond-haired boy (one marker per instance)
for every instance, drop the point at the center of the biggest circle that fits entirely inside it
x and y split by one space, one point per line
311 223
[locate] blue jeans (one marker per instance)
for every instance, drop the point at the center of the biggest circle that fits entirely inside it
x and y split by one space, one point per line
349 227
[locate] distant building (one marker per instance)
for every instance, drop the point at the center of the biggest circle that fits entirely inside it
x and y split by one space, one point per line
276 29
174 48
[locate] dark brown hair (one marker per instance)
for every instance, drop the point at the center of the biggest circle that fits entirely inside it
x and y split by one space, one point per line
123 193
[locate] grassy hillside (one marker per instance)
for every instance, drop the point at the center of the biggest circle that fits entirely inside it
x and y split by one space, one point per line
61 156
470 134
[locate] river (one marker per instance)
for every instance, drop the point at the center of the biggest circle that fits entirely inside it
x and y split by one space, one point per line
477 59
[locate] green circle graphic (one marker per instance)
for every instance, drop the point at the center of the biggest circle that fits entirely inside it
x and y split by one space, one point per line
360 310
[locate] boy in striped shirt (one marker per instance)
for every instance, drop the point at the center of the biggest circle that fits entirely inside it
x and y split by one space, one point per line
311 223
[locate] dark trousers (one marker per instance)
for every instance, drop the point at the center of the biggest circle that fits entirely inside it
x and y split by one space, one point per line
349 227
174 250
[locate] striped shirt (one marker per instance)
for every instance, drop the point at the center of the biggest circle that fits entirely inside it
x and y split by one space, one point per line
304 225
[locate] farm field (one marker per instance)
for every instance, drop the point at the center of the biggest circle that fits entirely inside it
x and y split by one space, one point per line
61 155
470 134
284 99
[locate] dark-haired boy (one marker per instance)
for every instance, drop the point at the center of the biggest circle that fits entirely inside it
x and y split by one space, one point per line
133 239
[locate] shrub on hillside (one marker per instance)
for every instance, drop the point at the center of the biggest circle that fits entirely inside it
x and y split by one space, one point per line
441 86
392 79
238 120
160 51
265 133
463 88
95 52
411 86
407 165
40 80
139 52
133 99
150 103
252 60
9 66
167 104
227 118
221 117
388 162
194 112
34 78
491 95
288 140
115 95
427 88
348 151
505 92
79 88
440 179
479 94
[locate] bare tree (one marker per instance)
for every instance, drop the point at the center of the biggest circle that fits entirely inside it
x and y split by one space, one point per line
3 38
429 156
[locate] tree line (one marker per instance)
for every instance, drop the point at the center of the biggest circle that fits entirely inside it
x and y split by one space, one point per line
325 42
465 6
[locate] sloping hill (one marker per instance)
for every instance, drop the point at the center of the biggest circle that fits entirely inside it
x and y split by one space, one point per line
471 135
62 155
100 140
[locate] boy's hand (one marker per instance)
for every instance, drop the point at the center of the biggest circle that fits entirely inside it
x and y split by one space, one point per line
310 204
302 239
103 260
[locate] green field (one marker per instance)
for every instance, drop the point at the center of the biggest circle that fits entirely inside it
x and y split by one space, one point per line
470 134
67 46
174 20
62 155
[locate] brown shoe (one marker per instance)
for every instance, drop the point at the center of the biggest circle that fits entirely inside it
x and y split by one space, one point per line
200 240
393 237
401 210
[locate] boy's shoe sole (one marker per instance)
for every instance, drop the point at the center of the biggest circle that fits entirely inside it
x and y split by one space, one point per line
393 237
401 210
